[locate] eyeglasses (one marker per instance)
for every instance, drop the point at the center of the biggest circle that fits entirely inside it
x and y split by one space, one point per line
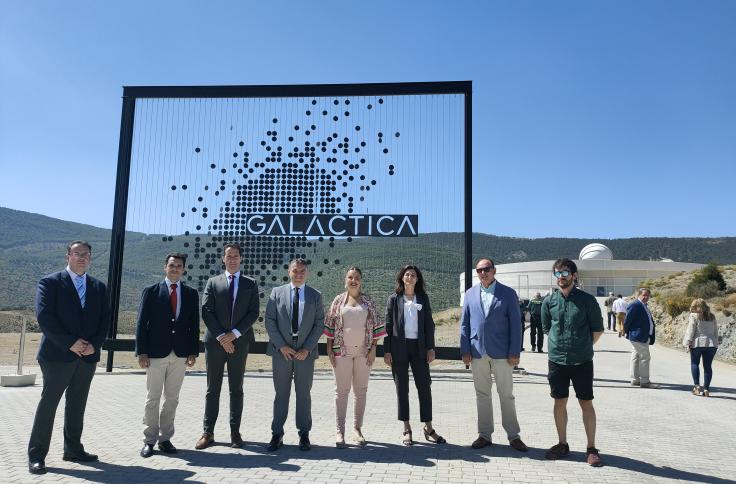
481 270
559 274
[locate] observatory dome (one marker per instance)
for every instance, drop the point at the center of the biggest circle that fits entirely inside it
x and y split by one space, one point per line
595 251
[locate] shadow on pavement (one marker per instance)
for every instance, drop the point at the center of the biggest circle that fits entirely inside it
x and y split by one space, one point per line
419 455
651 470
113 473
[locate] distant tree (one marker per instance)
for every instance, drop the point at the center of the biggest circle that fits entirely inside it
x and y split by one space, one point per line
707 282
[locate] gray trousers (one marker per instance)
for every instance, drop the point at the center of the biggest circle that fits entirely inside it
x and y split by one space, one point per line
640 362
485 371
164 375
74 379
302 373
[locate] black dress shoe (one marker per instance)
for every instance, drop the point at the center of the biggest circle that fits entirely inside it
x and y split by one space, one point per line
147 450
37 467
276 442
236 441
80 457
304 443
167 447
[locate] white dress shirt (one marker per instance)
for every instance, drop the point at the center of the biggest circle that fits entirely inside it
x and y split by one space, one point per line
411 318
301 301
178 294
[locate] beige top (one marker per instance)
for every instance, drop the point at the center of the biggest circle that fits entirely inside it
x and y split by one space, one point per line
354 319
701 334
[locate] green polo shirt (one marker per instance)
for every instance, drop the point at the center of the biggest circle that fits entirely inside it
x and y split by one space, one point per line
570 322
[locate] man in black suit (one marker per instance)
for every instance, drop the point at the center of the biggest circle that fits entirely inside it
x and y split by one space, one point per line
73 314
166 342
229 308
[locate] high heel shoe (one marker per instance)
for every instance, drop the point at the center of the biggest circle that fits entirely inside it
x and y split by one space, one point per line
340 441
407 440
696 390
706 393
358 437
433 436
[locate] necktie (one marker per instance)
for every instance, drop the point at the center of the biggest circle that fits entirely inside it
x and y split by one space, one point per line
79 284
295 312
172 299
231 291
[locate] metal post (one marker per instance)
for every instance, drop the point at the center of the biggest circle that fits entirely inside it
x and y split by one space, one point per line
120 212
469 187
22 348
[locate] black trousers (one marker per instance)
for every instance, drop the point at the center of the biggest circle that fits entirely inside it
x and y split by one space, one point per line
422 380
217 359
612 321
536 335
58 377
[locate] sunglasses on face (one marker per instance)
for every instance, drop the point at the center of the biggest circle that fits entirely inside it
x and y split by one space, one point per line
559 274
481 270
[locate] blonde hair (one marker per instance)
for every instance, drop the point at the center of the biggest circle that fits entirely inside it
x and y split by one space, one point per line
701 308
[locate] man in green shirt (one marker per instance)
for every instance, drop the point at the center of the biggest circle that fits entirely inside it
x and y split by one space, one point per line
572 320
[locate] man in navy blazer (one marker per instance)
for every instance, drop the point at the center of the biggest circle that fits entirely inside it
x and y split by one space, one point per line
490 341
73 314
166 342
639 330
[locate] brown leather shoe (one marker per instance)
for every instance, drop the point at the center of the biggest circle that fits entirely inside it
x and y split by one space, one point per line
205 441
480 442
236 441
518 444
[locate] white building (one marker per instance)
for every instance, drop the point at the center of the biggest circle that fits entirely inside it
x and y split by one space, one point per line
598 273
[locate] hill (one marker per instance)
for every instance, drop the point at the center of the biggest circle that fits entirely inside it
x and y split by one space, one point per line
32 245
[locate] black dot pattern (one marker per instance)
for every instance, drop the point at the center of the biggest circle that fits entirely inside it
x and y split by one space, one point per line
289 170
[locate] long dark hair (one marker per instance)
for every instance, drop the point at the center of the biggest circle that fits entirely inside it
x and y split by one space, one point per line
419 288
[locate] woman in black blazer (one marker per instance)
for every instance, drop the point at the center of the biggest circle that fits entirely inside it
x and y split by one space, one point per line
410 342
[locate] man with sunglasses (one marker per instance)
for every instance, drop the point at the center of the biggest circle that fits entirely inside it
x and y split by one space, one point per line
490 341
573 322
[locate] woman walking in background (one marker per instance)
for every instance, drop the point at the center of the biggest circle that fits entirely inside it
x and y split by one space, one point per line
409 341
352 327
701 340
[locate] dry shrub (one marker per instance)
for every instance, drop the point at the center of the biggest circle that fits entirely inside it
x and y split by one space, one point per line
676 304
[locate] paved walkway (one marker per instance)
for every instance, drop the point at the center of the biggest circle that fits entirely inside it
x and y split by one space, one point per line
645 435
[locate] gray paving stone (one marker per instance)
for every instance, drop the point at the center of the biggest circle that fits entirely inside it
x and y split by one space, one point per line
657 435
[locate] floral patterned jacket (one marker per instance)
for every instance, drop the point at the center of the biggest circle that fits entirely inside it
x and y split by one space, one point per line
374 327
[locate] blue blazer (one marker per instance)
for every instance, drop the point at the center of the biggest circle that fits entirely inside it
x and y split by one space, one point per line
499 334
158 332
636 323
63 320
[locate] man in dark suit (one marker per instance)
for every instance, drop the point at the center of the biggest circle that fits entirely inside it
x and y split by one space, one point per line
294 321
490 342
229 308
73 314
166 342
639 330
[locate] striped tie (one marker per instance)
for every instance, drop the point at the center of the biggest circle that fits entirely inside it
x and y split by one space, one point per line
79 283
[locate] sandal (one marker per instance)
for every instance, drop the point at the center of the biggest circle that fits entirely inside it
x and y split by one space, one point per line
358 437
433 436
696 390
340 441
407 440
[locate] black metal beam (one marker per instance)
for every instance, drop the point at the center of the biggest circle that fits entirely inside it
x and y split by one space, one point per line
120 212
468 189
300 90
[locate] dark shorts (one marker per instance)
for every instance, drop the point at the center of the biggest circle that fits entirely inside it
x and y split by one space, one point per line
559 377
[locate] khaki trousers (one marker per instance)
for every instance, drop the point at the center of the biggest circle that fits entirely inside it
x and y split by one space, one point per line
485 371
351 370
620 317
640 362
164 375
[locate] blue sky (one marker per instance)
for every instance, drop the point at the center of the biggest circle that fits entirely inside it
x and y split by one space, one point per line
591 118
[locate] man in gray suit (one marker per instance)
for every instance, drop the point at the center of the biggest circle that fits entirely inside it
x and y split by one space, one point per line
294 321
229 308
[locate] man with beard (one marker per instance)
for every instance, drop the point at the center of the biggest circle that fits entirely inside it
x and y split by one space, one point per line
572 320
